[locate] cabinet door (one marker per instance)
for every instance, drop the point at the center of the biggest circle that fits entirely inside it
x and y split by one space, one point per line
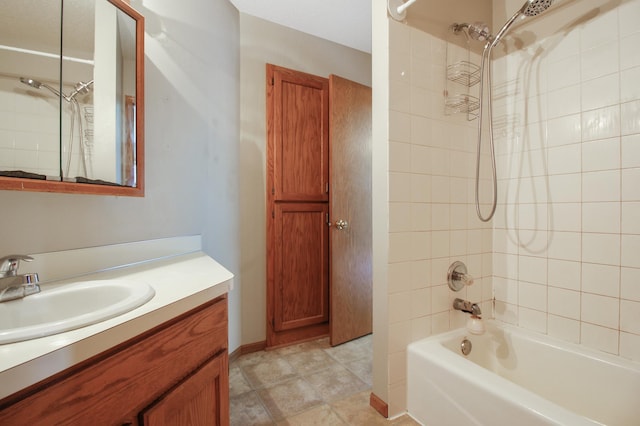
201 399
301 265
298 134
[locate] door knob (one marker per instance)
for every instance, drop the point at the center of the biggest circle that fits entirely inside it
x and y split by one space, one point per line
342 224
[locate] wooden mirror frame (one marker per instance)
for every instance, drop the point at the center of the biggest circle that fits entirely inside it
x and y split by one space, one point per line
36 185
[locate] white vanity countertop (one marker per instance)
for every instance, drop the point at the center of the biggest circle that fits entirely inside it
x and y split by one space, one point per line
181 283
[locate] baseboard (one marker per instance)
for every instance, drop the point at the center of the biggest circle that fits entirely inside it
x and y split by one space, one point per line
247 349
253 347
379 405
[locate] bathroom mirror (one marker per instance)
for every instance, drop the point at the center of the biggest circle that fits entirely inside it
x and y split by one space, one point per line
72 96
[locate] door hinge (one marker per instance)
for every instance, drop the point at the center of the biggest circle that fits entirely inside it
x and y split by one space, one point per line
273 214
273 191
326 187
273 81
327 219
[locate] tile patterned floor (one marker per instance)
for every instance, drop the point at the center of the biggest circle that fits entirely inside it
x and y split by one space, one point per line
306 384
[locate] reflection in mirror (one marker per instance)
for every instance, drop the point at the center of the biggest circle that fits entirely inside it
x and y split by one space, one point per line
29 113
70 96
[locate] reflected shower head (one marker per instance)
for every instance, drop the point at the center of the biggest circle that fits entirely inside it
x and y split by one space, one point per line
38 85
31 82
81 88
535 7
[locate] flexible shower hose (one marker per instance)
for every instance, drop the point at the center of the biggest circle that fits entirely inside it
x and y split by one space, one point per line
486 59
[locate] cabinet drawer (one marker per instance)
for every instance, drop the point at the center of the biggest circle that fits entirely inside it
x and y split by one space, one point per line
119 383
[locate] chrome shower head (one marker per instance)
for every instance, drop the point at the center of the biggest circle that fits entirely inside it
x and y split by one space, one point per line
535 7
530 8
31 82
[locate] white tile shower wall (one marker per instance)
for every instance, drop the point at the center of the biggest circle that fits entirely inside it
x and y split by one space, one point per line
566 237
432 219
30 129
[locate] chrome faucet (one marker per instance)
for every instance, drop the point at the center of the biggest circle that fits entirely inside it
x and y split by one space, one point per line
12 285
468 307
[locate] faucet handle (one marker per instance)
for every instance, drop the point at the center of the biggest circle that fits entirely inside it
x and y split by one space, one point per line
457 276
9 264
465 278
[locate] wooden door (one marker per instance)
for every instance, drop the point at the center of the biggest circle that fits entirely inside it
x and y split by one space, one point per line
297 206
351 247
202 399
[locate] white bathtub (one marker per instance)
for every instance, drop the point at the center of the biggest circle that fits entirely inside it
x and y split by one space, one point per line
516 377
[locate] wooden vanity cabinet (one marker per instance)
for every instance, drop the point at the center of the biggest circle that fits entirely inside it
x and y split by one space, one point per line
174 374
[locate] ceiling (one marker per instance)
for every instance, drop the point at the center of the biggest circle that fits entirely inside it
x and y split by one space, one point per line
343 22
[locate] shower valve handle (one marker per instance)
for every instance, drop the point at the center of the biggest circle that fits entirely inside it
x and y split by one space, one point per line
457 276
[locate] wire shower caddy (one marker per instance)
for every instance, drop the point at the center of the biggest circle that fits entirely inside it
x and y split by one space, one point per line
461 76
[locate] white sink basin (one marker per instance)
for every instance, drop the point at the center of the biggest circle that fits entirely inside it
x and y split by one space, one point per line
71 306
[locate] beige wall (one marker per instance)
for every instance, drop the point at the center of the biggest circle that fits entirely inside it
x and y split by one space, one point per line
264 42
380 196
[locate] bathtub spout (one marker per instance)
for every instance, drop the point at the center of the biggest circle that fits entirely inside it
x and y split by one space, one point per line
468 307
